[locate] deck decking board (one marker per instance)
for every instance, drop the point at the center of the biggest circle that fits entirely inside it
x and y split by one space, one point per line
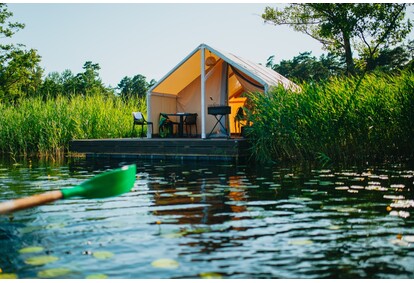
191 148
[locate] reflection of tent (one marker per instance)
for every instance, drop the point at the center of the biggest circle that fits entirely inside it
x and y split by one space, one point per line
206 76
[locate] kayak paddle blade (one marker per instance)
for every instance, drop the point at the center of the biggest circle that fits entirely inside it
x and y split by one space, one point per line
107 184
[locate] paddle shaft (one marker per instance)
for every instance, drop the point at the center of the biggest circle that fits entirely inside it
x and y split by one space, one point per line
23 203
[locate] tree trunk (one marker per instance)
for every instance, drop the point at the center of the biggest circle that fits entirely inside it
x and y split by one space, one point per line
350 68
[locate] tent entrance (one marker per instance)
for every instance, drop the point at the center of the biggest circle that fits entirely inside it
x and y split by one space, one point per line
194 84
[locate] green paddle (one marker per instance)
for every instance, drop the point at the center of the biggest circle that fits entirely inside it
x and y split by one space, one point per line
107 184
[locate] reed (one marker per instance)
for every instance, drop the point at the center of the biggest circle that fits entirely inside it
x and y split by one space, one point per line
37 127
342 119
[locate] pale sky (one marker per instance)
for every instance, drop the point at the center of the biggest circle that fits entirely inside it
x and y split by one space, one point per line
149 39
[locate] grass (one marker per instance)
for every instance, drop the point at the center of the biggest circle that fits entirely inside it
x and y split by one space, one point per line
342 119
37 127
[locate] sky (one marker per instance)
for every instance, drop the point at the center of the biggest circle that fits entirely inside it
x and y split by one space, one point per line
149 39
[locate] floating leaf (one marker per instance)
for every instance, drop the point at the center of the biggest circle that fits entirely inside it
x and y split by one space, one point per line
8 276
399 242
326 183
55 226
103 255
393 197
53 272
97 276
342 188
403 204
348 209
28 250
210 275
300 242
30 229
376 188
165 263
334 227
173 235
182 193
356 187
397 186
401 213
40 260
181 188
409 239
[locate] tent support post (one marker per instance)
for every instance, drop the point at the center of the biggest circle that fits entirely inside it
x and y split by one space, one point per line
149 134
203 94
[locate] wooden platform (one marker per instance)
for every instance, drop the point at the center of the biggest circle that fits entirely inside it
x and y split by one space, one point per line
164 148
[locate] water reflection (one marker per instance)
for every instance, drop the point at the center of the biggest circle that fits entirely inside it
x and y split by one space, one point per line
221 219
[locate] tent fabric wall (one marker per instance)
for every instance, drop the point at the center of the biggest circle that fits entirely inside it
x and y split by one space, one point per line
164 104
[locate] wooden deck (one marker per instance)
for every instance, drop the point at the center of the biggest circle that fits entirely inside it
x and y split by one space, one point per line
234 149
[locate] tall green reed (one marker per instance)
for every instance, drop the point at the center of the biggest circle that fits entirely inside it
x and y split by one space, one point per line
35 126
342 119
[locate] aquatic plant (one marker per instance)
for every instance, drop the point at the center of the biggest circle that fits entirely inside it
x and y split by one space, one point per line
341 119
34 126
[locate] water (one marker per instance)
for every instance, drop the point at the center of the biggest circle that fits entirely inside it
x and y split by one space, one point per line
203 220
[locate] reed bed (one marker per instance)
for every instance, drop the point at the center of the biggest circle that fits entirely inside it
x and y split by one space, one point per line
37 127
343 119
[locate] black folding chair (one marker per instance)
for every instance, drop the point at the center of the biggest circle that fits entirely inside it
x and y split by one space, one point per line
166 126
139 119
190 120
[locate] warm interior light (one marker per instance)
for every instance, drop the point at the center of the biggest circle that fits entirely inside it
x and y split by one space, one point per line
210 61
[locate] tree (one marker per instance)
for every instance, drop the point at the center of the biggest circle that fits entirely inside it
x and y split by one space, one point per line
7 29
89 82
389 59
341 28
135 87
20 73
306 67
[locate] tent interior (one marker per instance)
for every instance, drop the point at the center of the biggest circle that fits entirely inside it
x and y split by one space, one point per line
180 90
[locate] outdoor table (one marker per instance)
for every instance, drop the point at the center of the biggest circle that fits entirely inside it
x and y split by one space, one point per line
181 123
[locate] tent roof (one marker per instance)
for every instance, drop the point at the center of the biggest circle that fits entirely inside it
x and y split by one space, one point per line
189 69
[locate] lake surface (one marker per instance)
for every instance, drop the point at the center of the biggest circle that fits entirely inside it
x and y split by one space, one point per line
212 220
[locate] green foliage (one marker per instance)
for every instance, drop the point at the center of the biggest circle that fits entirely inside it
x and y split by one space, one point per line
20 73
7 29
389 59
340 27
306 67
35 126
135 87
341 119
67 84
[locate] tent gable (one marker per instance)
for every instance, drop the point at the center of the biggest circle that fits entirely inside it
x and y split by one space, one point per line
189 70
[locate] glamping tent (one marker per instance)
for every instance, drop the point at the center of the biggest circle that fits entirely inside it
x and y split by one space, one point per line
209 76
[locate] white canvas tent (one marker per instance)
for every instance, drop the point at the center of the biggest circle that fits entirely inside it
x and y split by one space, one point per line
206 76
